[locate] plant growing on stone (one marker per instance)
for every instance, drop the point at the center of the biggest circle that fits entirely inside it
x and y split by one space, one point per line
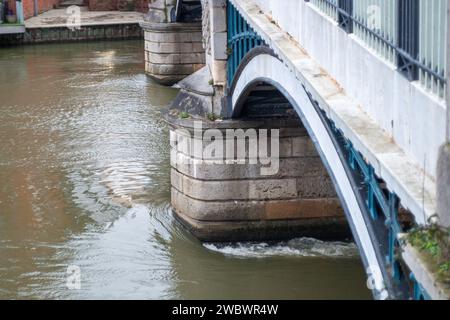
212 116
184 115
434 241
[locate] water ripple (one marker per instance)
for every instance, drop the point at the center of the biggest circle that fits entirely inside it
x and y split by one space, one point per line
300 247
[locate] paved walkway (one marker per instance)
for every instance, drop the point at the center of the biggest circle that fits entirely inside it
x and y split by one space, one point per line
59 17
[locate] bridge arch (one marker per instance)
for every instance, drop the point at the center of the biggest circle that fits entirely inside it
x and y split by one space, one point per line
262 65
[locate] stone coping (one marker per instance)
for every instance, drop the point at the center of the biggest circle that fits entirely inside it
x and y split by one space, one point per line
11 29
230 123
57 18
84 25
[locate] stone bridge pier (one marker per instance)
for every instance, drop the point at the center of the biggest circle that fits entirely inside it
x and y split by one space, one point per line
173 45
286 195
231 199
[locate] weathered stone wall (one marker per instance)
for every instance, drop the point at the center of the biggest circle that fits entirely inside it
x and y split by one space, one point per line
124 5
172 50
90 33
234 202
218 40
159 10
103 5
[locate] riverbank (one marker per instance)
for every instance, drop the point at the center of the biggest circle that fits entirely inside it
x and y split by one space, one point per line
59 26
85 171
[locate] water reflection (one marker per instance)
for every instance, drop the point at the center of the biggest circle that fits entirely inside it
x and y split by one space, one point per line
85 181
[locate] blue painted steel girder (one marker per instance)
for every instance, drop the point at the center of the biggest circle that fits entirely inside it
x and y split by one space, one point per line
241 39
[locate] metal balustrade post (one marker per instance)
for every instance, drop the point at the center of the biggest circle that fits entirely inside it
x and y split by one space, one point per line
408 33
371 200
408 38
345 15
241 40
394 229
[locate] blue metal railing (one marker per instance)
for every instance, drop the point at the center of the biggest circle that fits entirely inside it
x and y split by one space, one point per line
384 207
241 39
419 292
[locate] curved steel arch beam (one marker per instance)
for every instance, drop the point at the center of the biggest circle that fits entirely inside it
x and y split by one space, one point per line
261 65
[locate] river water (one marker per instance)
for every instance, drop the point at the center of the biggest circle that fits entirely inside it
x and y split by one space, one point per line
84 185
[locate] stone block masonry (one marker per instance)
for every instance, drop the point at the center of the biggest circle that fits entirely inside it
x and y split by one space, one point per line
90 33
172 50
235 202
52 26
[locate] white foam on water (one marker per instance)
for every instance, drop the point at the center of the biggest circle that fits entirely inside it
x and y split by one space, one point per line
300 247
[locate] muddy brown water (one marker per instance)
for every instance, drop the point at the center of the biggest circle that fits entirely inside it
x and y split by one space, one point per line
84 172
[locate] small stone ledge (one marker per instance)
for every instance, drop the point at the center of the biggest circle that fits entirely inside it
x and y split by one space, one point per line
261 123
422 273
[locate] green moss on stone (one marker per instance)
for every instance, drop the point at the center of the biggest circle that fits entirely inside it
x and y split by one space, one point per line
434 243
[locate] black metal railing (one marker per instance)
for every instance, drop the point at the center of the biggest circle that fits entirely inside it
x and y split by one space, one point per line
405 43
345 12
408 38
